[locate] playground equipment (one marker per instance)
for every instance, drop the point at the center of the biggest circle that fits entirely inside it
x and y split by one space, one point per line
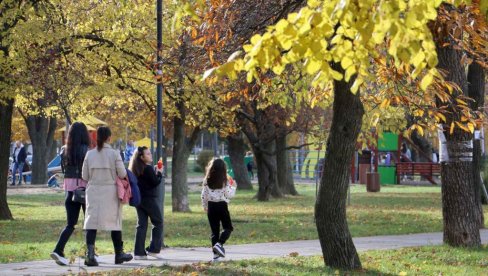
391 172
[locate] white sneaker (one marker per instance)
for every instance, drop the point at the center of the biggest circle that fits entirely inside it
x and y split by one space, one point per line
155 255
140 257
216 258
60 260
219 249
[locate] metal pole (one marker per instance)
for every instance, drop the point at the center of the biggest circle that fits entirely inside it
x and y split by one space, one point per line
215 144
151 135
159 111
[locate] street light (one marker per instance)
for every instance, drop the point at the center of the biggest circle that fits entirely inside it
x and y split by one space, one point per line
159 111
159 90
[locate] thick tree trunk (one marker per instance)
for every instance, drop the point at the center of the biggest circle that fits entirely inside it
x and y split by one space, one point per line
6 112
266 168
237 151
41 132
330 208
181 153
459 205
284 171
476 90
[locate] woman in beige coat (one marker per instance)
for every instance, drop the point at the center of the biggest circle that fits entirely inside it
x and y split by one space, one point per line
103 208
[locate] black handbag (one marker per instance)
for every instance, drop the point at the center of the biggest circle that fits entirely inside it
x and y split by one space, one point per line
79 195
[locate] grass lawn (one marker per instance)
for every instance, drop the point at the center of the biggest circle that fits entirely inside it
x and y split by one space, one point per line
438 260
395 210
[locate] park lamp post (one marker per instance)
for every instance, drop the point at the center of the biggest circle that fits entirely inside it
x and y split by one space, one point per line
159 111
159 90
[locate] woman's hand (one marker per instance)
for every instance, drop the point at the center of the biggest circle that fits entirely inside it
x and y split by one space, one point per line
158 170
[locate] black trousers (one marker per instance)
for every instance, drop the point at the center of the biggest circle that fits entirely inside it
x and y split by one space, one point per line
149 208
72 214
91 236
218 212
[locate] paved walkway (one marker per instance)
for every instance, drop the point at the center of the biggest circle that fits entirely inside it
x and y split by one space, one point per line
181 256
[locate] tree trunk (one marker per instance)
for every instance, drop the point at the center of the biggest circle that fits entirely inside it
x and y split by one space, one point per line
330 208
459 205
237 152
41 132
476 90
6 113
284 171
266 168
181 153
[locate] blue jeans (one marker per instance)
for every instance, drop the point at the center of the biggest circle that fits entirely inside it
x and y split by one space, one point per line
20 167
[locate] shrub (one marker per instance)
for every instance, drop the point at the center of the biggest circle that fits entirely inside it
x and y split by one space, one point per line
203 158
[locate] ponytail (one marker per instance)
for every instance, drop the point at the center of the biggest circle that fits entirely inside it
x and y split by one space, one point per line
103 133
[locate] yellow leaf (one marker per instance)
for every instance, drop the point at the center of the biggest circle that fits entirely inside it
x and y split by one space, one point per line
451 131
312 66
355 86
346 62
461 102
420 130
440 115
426 81
385 103
402 273
463 127
471 127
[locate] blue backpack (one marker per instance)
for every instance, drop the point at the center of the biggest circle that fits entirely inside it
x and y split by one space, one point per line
135 200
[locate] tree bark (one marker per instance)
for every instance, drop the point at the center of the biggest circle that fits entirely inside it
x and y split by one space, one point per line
267 172
237 152
330 208
6 113
181 153
41 132
459 205
476 90
284 170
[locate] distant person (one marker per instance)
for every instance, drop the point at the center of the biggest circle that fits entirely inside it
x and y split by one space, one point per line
249 166
72 156
406 154
435 158
19 156
148 179
218 189
103 208
129 150
388 159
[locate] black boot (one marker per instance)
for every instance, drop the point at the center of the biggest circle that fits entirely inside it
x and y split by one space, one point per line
90 256
120 256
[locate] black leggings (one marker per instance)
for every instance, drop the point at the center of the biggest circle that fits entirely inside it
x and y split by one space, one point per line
218 212
72 214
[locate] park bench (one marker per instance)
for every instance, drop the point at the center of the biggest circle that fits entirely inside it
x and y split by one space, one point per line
427 170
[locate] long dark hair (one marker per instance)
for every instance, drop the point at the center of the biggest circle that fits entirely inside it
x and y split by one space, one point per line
103 133
77 143
136 165
216 176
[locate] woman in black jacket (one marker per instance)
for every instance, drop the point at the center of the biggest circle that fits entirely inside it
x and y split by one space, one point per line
148 179
72 156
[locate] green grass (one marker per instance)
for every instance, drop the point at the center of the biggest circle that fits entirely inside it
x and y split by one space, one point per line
395 210
438 260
